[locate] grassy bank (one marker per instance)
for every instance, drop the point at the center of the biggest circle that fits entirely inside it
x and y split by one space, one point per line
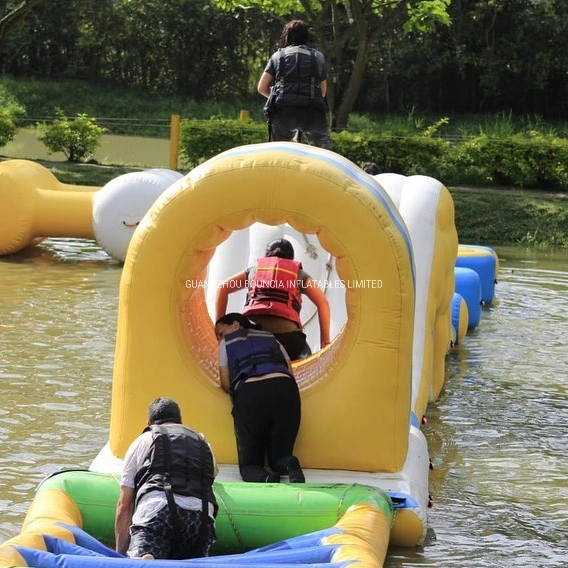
484 216
495 217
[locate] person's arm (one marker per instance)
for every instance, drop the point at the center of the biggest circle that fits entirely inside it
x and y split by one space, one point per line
224 375
313 292
230 285
215 465
225 379
123 519
323 87
264 83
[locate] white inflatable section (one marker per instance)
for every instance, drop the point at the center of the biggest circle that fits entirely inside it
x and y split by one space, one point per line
120 205
244 247
417 199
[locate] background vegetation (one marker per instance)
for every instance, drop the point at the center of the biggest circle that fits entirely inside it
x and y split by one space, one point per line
386 56
470 92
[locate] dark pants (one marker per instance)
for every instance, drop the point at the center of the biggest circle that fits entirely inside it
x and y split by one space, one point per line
266 415
165 538
289 123
295 344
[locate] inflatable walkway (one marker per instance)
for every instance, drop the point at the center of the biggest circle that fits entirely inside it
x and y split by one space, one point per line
364 455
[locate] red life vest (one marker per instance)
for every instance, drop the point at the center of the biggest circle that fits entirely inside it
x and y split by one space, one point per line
274 289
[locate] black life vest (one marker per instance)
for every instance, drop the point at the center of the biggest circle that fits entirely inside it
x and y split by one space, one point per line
178 458
253 353
298 78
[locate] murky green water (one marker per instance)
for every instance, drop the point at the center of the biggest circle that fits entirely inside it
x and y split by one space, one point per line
114 149
497 434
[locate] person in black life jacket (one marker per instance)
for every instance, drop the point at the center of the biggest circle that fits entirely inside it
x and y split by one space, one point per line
274 299
166 507
294 82
256 371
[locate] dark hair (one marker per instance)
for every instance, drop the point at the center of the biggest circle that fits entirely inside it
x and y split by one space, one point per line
371 168
295 32
281 248
228 319
164 410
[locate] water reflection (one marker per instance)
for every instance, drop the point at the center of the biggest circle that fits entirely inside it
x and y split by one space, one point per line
57 325
497 434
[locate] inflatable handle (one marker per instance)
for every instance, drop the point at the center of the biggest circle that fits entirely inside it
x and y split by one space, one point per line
34 205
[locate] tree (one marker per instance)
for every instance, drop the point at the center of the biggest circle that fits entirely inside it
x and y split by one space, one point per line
345 30
13 12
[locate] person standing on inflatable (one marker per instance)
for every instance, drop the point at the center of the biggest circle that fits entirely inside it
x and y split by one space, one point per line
274 298
166 507
294 82
256 371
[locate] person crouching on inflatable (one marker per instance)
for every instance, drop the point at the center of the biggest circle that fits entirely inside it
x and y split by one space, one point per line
274 297
255 370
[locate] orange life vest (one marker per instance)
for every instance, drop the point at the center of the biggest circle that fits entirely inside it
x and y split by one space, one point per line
274 289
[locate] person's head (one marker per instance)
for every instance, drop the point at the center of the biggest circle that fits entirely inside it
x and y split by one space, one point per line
295 32
371 168
164 410
232 322
281 248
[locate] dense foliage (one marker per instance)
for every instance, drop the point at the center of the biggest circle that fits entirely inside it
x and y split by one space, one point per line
384 56
483 216
529 160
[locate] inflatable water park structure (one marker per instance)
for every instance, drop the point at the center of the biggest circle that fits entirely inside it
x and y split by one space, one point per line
385 250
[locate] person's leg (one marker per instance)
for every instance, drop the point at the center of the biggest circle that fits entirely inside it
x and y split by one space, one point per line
295 344
316 129
151 537
283 126
193 542
286 415
251 432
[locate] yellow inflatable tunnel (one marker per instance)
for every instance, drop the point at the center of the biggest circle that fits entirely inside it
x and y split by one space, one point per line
356 393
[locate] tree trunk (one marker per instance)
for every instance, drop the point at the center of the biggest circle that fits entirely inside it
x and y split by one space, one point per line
13 17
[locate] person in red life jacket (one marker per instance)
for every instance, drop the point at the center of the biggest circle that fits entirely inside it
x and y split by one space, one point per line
294 83
255 370
274 299
166 507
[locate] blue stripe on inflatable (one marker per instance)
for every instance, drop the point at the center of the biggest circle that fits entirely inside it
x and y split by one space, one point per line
302 551
85 540
351 170
59 546
456 312
41 559
302 541
414 420
402 500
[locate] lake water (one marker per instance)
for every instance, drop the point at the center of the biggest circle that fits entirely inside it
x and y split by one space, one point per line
115 149
497 434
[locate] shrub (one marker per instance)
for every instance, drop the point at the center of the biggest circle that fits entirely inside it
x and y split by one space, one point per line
533 161
407 155
77 139
201 140
9 110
